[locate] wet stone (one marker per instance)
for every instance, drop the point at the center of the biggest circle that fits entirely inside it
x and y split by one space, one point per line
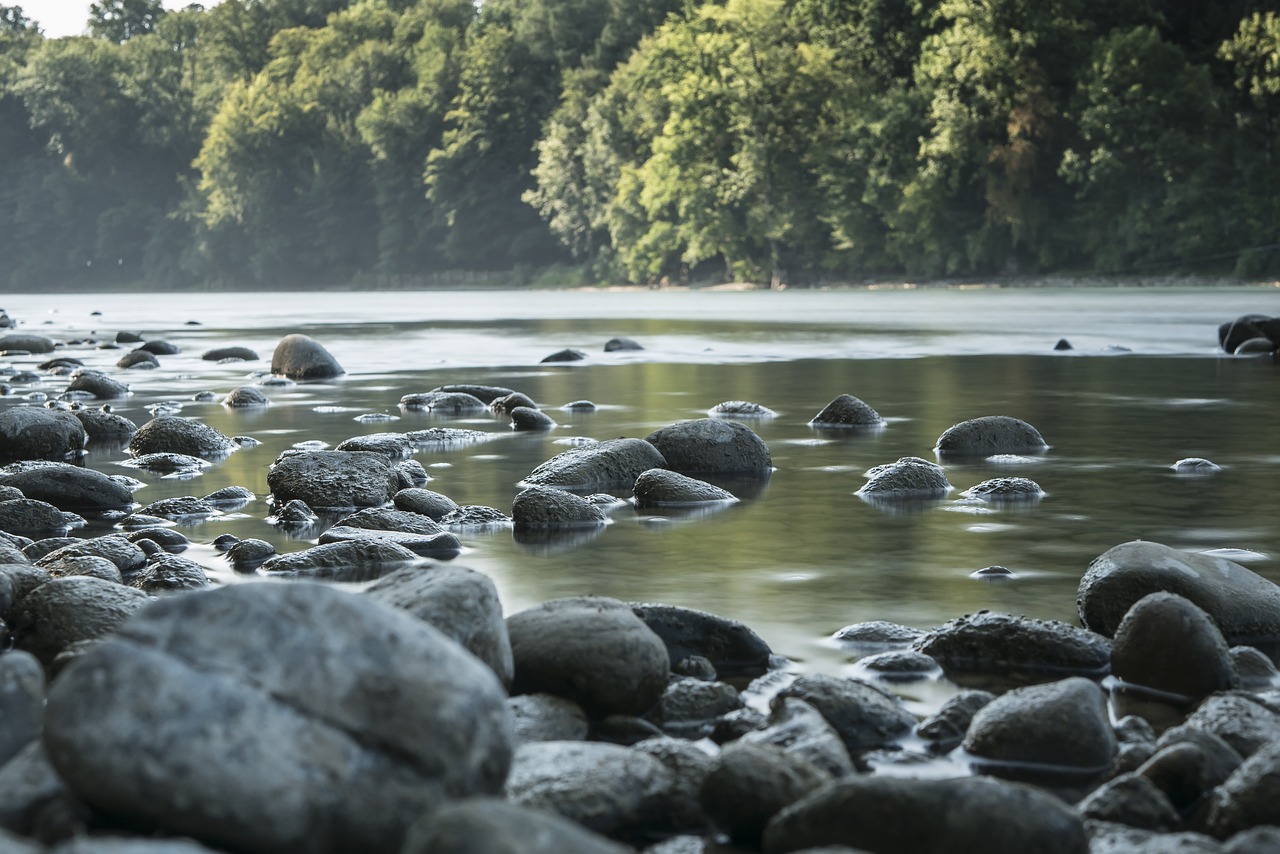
989 435
847 411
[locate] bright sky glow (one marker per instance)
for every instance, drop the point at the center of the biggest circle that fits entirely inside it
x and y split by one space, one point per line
58 18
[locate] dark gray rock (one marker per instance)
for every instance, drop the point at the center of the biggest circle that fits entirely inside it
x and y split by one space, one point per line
165 463
177 435
99 425
158 347
138 360
688 765
301 357
614 345
876 635
91 566
711 446
165 573
689 707
21 702
1244 605
128 845
591 650
1234 333
579 406
63 611
167 538
245 397
898 665
662 488
33 799
233 497
750 783
541 507
485 393
68 487
444 402
127 556
612 463
1254 670
567 355
740 409
526 418
847 411
29 516
1015 650
1188 771
474 516
990 435
30 433
142 725
908 479
1242 720
1260 839
917 815
445 438
352 560
295 514
230 354
461 603
945 728
1167 643
97 385
505 404
184 508
393 446
493 826
332 479
432 505
546 717
612 790
734 649
1006 489
865 717
410 474
29 343
1063 725
247 555
1250 797
1133 800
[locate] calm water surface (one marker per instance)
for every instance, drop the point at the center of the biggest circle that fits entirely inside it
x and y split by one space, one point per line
801 555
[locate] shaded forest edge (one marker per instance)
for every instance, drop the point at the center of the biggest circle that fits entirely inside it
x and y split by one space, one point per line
419 144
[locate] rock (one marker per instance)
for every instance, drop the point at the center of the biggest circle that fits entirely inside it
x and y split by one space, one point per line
1250 797
527 418
475 516
614 345
1245 606
247 555
28 433
567 355
21 702
64 611
989 435
461 603
875 635
245 397
295 513
33 799
393 446
689 706
945 728
1107 837
711 446
847 411
798 728
352 560
1133 800
505 404
1063 344
688 764
165 463
731 647
612 463
750 783
493 826
29 343
1253 669
546 717
91 566
612 790
167 538
127 337
865 717
1231 335
1006 489
1187 772
128 845
1195 466
141 726
899 665
1016 650
662 488
432 505
442 544
909 478
740 409
485 393
138 360
542 507
30 516
229 354
165 573
158 347
450 403
1242 720
1255 347
127 556
99 425
410 474
185 508
579 406
174 434
301 357
1168 644
97 384
332 479
919 815
594 651
68 487
1063 725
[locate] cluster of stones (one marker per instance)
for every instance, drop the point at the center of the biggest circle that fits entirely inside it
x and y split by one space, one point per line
1250 335
146 710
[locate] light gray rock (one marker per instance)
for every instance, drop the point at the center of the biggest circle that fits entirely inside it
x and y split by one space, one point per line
97 384
301 357
907 479
433 505
21 702
1005 489
127 556
865 717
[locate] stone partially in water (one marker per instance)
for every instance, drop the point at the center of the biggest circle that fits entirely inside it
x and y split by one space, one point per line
351 560
741 409
528 418
332 479
301 357
28 433
542 507
97 384
847 411
174 434
1006 489
865 717
662 488
909 478
68 487
711 445
612 463
1167 643
434 505
1196 465
733 648
1244 605
989 435
245 397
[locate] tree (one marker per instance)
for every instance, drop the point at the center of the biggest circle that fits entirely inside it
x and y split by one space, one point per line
120 20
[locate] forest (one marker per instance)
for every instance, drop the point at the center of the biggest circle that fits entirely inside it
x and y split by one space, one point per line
401 143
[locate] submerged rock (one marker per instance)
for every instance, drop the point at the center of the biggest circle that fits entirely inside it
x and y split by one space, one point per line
909 478
245 397
353 560
1006 489
614 345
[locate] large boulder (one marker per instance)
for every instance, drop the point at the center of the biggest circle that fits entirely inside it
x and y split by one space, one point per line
173 434
543 507
990 435
1168 644
30 433
601 465
301 357
733 648
69 487
29 343
100 425
332 479
1244 605
712 446
278 717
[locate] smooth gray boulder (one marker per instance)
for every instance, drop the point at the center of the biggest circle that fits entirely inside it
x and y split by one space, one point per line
229 354
929 817
733 648
741 409
142 725
433 505
160 347
165 573
526 418
662 488
1244 605
138 360
909 478
68 487
865 717
97 385
750 783
461 603
394 446
332 479
100 425
612 463
117 548
990 435
845 410
1005 489
29 343
174 434
301 357
544 507
246 397
614 345
568 354
1014 650
30 433
592 650
494 826
1168 644
711 446
22 693
506 404
65 611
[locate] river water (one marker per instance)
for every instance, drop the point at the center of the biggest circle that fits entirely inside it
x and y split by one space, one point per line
801 556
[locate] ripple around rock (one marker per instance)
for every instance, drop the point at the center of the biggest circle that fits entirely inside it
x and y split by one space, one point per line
909 478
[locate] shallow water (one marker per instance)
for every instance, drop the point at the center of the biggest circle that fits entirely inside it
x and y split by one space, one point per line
801 555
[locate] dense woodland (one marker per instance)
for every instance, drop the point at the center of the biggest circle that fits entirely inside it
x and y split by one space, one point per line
286 142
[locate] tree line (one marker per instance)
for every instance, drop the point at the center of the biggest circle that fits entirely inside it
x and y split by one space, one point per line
291 142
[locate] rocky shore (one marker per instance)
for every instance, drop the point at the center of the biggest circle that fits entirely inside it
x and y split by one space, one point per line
147 709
